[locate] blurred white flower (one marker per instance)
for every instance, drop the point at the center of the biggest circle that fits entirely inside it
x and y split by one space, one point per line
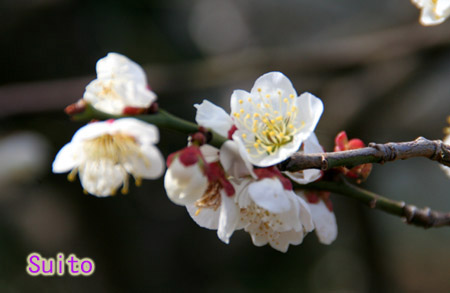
103 153
271 212
23 157
120 83
433 12
322 215
271 121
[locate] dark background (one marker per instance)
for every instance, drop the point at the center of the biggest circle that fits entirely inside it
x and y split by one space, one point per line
381 75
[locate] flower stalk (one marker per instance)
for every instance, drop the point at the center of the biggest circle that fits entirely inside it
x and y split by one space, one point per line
161 119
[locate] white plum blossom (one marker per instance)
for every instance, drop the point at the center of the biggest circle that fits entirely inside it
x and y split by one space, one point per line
271 121
104 153
323 218
433 12
272 214
186 180
120 84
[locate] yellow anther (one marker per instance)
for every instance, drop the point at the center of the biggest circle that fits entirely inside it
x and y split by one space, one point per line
258 106
269 149
279 118
279 92
265 120
255 130
272 121
276 112
197 212
289 113
256 115
242 111
259 89
138 181
248 150
247 116
267 105
291 96
249 99
256 145
267 96
258 141
267 114
272 133
294 109
241 102
236 115
291 126
244 136
285 100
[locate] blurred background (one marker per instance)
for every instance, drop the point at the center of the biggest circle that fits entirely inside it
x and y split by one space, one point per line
381 76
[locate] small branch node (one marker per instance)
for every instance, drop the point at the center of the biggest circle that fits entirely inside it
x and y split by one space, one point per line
324 161
409 212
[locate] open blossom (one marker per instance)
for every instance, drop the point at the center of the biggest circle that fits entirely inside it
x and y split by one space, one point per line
271 212
322 214
271 121
196 179
121 84
433 12
104 153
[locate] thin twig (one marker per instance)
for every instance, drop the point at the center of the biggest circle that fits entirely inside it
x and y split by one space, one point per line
423 217
434 150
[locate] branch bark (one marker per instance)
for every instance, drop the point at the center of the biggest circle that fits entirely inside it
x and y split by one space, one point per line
411 214
434 150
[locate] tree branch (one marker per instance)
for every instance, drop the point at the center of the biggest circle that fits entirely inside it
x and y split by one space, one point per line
434 150
411 214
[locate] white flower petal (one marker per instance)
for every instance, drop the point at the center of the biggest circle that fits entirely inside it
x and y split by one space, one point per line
228 219
116 65
101 177
142 131
210 153
271 83
211 116
206 218
270 195
148 163
286 238
233 163
306 215
67 158
184 185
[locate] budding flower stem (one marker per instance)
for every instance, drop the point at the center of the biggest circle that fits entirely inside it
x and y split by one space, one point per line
161 119
411 214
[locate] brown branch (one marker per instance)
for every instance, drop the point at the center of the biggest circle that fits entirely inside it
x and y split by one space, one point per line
411 214
434 150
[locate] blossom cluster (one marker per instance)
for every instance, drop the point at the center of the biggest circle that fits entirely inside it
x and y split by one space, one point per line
237 186
103 153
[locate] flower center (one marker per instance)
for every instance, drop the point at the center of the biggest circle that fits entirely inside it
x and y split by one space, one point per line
270 123
211 198
264 223
115 147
